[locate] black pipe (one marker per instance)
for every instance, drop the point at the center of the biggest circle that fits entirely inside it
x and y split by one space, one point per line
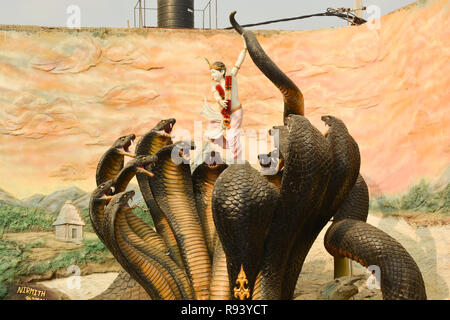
354 19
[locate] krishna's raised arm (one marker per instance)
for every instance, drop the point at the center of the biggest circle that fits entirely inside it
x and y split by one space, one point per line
240 60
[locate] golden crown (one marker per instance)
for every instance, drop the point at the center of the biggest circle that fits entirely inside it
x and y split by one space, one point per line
211 66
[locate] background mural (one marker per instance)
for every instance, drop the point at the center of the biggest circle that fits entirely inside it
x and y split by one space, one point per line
66 95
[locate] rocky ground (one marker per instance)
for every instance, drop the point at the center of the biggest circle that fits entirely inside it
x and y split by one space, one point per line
89 286
51 248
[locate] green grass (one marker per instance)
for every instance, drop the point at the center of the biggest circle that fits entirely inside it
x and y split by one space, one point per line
419 198
91 251
87 220
12 256
15 218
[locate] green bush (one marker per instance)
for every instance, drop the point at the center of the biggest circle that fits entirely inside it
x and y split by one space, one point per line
419 198
94 245
12 256
87 220
444 197
15 218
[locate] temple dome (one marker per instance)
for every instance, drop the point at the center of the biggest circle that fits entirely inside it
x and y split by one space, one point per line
69 214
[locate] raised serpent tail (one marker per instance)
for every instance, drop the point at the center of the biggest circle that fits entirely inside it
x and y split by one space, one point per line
351 237
293 97
368 245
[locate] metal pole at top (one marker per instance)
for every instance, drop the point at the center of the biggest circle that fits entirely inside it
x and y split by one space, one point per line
210 14
140 14
216 14
134 14
358 8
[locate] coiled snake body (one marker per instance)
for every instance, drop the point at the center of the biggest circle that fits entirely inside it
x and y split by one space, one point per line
228 232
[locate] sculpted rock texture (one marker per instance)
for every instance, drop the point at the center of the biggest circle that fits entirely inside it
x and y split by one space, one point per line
109 82
263 230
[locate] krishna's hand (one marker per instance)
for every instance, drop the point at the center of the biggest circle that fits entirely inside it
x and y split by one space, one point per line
223 103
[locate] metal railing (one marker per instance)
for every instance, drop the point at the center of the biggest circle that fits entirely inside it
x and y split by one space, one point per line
141 14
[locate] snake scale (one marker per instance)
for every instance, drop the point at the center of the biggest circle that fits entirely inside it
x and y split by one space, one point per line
231 231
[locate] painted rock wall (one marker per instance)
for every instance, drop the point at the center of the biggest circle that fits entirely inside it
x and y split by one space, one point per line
66 95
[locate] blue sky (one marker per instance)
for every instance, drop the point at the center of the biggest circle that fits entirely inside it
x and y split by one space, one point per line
115 13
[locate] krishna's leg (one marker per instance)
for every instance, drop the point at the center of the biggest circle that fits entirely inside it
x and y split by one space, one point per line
234 134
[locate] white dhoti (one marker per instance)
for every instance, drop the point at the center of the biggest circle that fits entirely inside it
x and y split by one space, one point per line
233 135
218 134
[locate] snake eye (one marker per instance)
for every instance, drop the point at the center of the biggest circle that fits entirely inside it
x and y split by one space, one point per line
102 186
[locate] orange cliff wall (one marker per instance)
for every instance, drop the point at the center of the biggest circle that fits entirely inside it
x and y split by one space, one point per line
66 95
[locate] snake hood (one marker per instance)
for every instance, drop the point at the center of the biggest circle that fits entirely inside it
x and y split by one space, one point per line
103 193
140 164
100 198
158 137
112 160
165 126
121 199
271 163
333 124
122 145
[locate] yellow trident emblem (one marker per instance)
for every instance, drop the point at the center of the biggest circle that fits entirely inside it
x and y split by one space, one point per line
242 292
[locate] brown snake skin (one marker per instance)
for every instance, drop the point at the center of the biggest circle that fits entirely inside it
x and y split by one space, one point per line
221 223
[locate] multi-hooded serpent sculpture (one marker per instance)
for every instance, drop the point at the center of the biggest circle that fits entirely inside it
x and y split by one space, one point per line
230 232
